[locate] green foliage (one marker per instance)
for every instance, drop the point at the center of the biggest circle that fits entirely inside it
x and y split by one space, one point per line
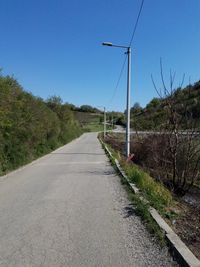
154 103
93 127
154 192
89 122
136 108
30 127
153 116
120 119
87 118
87 108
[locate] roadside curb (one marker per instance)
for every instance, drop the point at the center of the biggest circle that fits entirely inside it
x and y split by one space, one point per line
180 252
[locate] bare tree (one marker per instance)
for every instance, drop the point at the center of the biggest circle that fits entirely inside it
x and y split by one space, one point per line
176 150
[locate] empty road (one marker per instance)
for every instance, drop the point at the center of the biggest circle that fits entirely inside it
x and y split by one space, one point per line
69 209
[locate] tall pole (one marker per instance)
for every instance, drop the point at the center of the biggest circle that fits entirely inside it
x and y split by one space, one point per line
112 123
128 103
128 95
104 132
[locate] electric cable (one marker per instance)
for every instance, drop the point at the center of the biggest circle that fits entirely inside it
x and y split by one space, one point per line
124 62
118 81
136 23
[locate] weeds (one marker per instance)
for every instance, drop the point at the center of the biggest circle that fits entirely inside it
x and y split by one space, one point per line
157 195
142 210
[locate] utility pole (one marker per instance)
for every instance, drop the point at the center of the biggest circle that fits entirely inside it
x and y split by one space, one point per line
128 94
104 132
112 122
128 103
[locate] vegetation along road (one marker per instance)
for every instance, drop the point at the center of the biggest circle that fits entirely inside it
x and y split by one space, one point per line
69 209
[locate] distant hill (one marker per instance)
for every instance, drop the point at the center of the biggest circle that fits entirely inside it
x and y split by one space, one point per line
186 103
87 117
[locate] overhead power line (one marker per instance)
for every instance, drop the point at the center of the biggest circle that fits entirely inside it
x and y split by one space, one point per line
136 23
118 80
124 62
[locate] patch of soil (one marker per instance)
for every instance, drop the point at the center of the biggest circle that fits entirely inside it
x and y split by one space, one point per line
193 197
187 226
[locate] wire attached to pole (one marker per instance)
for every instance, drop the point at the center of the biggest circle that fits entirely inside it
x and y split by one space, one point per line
136 23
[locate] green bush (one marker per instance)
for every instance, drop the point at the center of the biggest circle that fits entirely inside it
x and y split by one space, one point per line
29 126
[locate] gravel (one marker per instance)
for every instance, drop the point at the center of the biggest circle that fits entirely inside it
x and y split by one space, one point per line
141 245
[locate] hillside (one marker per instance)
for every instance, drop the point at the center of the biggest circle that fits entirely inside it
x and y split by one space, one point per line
186 104
89 121
93 121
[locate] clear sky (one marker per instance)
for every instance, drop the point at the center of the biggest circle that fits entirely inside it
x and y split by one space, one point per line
53 47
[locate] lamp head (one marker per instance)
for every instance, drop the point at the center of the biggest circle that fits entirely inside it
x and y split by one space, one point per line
107 43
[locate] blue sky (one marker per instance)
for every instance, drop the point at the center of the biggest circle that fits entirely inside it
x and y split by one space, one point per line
53 47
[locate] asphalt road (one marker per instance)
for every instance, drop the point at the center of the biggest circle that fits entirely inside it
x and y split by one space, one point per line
69 209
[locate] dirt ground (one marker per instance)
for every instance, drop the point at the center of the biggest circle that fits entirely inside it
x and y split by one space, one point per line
187 226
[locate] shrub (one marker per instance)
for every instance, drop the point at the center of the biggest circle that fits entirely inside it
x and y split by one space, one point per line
30 127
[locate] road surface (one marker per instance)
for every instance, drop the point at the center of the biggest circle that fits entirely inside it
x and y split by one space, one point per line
69 209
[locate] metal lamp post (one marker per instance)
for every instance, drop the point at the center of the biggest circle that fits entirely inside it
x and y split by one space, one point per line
128 94
104 128
104 123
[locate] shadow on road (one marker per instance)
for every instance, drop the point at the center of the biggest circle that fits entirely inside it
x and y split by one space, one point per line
100 172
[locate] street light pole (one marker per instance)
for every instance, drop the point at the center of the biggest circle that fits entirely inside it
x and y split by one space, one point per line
128 103
104 120
104 131
112 122
128 95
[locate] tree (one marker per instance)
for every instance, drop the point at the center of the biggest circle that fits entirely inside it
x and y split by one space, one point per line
88 108
154 103
136 108
176 151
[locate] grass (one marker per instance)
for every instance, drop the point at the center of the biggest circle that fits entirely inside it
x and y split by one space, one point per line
90 122
93 127
142 210
156 193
